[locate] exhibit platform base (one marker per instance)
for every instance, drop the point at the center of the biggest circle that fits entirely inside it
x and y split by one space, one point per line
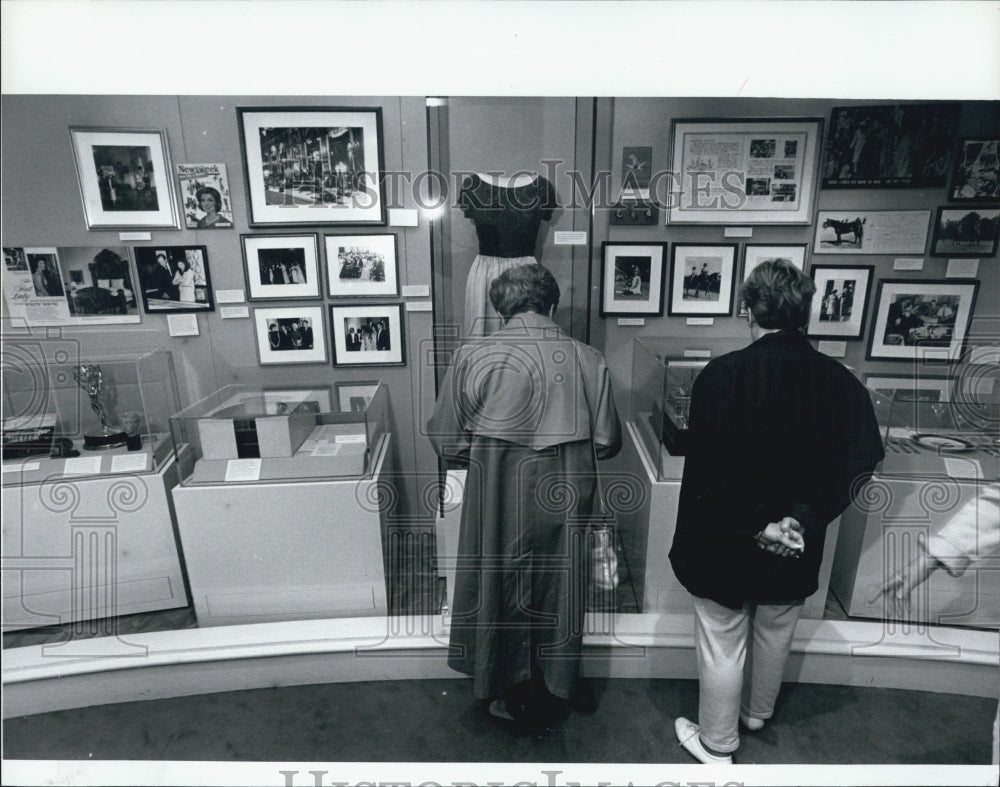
159 665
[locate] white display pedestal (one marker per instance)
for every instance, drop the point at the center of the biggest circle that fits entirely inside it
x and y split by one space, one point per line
78 549
648 532
883 529
285 551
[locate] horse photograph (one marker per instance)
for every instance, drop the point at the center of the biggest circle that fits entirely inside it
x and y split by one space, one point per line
703 280
836 231
966 232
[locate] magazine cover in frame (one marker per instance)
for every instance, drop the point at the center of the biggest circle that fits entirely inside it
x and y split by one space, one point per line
205 197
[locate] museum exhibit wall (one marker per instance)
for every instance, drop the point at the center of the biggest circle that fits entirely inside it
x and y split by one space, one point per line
42 207
647 122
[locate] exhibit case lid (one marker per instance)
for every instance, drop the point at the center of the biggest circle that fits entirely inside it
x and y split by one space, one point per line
73 413
252 434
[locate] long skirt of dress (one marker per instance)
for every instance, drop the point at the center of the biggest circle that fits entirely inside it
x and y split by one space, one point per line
520 585
480 317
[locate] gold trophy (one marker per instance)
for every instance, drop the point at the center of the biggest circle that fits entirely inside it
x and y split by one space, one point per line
89 377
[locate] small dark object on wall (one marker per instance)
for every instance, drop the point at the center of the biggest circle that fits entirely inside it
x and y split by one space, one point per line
635 213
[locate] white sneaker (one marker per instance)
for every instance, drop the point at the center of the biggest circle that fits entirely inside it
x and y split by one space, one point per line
752 724
687 734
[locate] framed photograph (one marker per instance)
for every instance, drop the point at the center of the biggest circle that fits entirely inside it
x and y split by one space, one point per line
632 278
919 388
354 397
756 171
637 168
756 253
890 146
361 265
205 197
74 285
977 172
921 320
966 232
701 279
368 335
871 231
125 178
174 279
280 267
280 400
290 334
312 165
841 301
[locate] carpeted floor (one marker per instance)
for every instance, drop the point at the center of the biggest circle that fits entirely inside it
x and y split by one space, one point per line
616 721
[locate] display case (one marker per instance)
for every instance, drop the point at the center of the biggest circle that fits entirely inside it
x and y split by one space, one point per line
663 372
80 414
940 449
248 434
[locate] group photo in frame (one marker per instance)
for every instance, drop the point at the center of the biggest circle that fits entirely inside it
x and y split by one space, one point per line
755 171
966 232
205 198
921 320
353 397
756 253
871 231
362 266
70 285
701 279
920 388
890 146
281 266
976 177
841 301
368 335
312 165
125 178
174 279
632 278
290 334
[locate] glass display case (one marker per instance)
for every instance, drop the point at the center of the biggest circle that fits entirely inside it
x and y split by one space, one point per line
246 434
663 372
74 413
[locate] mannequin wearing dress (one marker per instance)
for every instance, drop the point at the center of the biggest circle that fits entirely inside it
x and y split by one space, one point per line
507 213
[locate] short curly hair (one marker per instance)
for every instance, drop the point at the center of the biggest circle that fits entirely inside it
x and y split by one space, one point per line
526 288
778 295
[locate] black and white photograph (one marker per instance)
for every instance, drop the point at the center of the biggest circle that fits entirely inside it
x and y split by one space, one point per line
45 276
174 279
632 278
756 253
966 232
353 397
14 260
921 320
98 281
701 279
763 148
312 166
205 197
125 178
977 172
841 300
637 168
368 335
361 266
890 146
916 388
871 231
281 266
292 334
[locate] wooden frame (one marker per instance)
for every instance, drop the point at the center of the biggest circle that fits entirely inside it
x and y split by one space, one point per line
367 351
360 266
278 344
904 329
312 165
632 278
841 301
125 178
281 266
754 171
